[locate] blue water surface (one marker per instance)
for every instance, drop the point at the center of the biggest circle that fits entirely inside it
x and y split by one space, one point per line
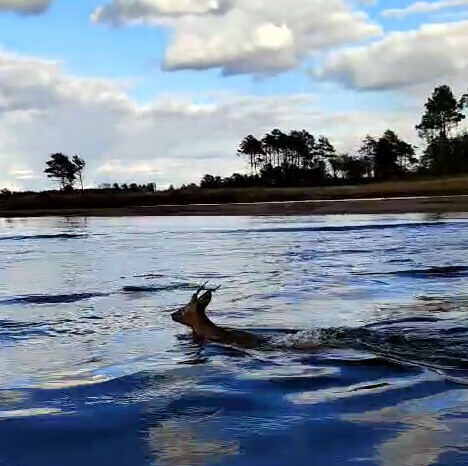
93 371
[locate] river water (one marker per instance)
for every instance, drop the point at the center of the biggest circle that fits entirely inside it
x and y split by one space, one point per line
93 371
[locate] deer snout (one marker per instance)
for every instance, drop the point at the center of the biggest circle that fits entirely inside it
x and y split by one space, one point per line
177 316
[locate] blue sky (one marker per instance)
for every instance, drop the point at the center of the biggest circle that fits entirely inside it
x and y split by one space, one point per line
164 89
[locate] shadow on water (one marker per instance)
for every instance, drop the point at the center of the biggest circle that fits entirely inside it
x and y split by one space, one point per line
50 299
156 288
42 237
431 272
345 228
46 299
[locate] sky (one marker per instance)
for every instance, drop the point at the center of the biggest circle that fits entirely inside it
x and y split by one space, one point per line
164 90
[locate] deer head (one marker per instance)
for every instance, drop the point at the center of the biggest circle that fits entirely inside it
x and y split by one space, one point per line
193 314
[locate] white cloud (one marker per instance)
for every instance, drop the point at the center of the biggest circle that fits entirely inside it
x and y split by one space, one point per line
244 36
119 167
26 7
423 7
126 11
432 53
22 174
173 139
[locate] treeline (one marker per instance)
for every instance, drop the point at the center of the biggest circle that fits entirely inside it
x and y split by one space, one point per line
129 187
298 158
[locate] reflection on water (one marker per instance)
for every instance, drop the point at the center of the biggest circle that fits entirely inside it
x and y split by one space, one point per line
94 371
428 429
181 443
363 388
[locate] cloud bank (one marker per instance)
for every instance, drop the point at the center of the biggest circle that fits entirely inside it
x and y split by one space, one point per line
244 36
432 53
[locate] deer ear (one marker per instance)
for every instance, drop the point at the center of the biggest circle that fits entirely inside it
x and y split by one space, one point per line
205 299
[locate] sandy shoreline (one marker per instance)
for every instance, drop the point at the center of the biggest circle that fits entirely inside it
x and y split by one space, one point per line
434 204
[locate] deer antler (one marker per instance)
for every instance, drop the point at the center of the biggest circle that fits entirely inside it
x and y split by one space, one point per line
201 288
207 290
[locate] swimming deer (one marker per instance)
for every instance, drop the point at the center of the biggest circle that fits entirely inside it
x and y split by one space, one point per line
193 315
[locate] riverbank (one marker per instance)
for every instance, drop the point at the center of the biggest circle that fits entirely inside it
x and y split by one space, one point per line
432 205
428 196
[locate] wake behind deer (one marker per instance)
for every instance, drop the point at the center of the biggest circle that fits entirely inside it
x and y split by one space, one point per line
193 315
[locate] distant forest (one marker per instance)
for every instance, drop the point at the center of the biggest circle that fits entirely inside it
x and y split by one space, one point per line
298 158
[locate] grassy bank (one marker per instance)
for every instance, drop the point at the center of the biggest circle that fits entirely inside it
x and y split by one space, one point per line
106 202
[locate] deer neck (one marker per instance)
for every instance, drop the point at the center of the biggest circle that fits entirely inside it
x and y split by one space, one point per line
204 327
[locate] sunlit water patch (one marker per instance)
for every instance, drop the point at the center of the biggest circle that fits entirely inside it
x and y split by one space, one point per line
363 359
